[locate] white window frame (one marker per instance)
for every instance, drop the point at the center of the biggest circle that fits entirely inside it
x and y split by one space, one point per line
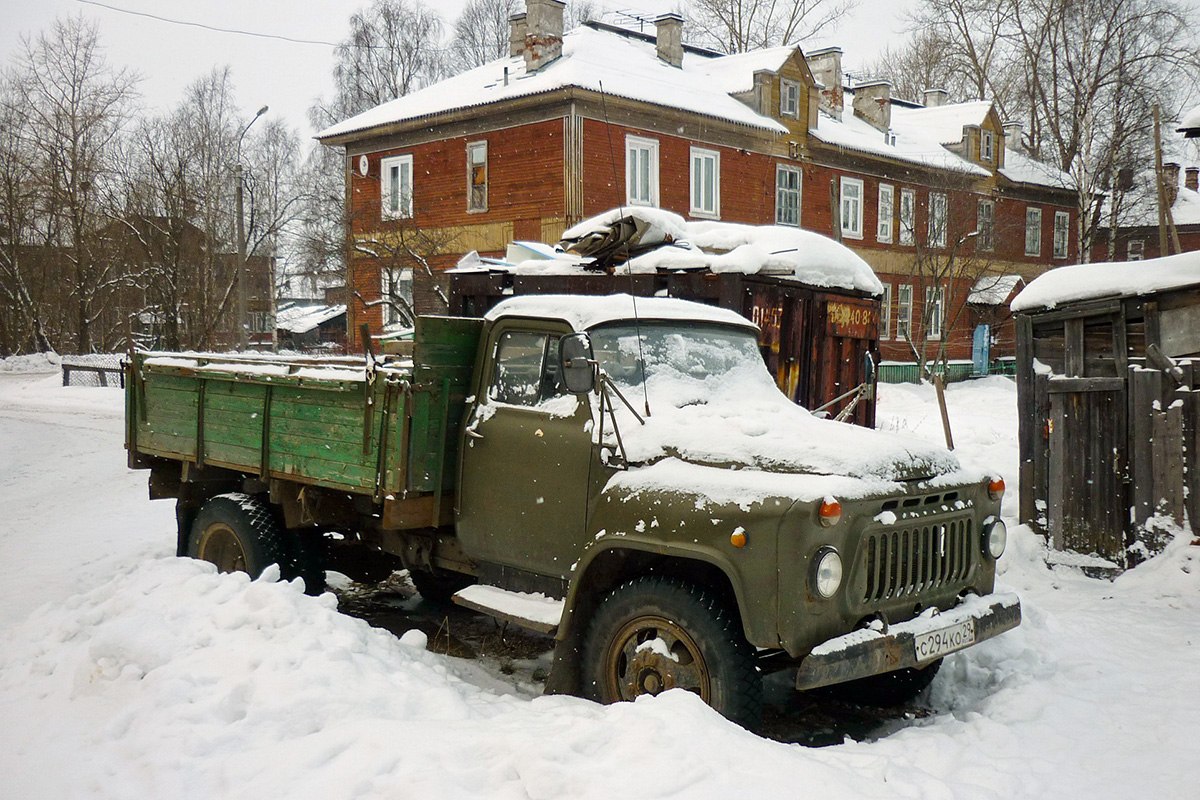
781 191
904 307
638 148
703 164
885 313
887 213
987 146
474 148
935 296
851 207
985 223
1135 250
1062 234
789 98
939 217
1033 231
389 281
402 208
908 216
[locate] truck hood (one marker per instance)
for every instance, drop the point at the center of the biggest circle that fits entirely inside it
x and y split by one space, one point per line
749 424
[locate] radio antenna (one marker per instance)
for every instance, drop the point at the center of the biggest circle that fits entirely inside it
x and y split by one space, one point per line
637 324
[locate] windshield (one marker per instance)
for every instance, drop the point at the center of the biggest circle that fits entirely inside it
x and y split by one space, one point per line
682 363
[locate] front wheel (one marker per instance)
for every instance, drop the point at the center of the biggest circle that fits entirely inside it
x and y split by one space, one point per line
652 634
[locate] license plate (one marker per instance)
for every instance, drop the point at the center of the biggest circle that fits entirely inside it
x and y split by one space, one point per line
937 643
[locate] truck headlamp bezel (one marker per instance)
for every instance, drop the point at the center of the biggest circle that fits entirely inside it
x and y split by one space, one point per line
995 537
827 572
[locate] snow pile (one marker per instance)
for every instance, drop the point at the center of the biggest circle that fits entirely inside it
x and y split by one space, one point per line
31 363
1113 279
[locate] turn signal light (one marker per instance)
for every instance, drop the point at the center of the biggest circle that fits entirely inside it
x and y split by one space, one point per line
830 512
996 488
738 538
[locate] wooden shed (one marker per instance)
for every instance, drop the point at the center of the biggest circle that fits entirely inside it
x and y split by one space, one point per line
1108 404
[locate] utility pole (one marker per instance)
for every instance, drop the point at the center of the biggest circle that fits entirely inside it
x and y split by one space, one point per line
242 322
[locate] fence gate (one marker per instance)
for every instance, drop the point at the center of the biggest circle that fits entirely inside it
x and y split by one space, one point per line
1088 505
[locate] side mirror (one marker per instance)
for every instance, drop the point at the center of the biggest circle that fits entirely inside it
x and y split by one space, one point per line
576 364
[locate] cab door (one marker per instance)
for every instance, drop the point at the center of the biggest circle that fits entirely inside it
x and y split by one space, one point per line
526 451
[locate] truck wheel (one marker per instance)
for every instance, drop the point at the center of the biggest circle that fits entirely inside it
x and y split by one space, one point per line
652 634
440 585
239 534
890 688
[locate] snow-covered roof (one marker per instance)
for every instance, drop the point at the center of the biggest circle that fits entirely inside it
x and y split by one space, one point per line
942 123
1020 168
1113 279
583 312
993 290
303 318
1190 121
591 59
734 74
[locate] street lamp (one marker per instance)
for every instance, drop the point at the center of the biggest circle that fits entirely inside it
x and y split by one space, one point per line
241 238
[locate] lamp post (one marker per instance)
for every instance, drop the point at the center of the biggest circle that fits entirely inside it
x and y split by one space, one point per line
241 238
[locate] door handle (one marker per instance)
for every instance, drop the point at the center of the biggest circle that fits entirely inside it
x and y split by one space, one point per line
471 432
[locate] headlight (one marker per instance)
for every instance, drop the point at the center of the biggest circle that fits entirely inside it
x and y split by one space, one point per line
995 536
827 572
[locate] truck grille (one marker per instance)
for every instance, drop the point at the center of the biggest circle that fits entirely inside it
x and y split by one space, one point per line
907 561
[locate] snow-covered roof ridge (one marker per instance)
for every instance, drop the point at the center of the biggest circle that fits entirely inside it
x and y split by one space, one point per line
1022 168
1109 279
585 311
592 59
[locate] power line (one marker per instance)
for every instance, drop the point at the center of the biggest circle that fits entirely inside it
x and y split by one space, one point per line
207 27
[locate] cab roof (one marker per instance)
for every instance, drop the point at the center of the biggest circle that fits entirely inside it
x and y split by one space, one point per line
582 312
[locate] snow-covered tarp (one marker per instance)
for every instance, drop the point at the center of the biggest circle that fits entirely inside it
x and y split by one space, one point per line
1109 279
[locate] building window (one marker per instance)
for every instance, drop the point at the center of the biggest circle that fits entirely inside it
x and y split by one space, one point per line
787 195
887 194
934 295
985 223
396 187
904 311
885 313
1135 250
396 290
1033 231
706 183
908 216
477 176
1062 233
789 98
852 201
641 171
987 146
937 219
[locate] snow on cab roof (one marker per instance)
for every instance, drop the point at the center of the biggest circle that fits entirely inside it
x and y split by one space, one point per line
1113 279
626 67
584 312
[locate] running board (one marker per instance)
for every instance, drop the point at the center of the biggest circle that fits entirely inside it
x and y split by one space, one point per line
536 612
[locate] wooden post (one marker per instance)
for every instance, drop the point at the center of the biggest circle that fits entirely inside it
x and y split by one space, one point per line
1143 391
941 396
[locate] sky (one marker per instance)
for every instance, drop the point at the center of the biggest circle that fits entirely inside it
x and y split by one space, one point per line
289 75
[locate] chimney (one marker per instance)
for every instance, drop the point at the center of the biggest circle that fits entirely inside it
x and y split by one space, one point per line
873 103
1170 176
543 32
669 37
936 97
516 34
1013 131
1192 178
826 67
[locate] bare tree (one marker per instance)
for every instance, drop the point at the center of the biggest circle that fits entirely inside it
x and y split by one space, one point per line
735 26
481 32
917 65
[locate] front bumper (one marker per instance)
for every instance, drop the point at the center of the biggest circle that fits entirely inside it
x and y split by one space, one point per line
868 651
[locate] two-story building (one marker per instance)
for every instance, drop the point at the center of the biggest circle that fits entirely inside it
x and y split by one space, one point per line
935 197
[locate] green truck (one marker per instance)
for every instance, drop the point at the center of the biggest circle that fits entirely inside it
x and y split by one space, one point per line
619 473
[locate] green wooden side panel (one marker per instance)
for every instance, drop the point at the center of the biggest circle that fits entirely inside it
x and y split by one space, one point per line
444 358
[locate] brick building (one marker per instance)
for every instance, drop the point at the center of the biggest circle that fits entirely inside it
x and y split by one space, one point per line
933 196
1136 238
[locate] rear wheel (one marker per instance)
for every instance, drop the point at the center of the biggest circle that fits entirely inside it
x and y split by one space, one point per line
239 533
653 634
439 585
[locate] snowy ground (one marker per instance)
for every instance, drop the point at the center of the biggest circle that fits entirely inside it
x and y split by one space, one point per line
125 672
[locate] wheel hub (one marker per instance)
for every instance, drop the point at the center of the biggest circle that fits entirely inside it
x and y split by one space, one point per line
650 655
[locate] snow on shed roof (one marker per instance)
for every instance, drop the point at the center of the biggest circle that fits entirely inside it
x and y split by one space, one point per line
583 312
1113 279
302 319
626 67
993 290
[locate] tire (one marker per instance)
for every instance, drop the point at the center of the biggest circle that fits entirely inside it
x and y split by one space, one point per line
889 689
239 533
702 649
439 586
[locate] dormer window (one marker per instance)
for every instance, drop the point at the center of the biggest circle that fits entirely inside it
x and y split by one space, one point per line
789 98
987 146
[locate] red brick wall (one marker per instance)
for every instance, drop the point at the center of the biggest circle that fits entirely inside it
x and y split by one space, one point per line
1189 240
